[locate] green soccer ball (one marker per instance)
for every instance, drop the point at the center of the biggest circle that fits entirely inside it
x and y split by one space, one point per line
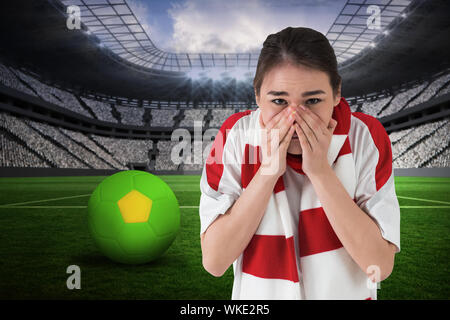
133 217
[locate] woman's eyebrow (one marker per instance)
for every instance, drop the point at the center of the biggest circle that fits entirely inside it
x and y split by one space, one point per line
304 94
312 93
278 93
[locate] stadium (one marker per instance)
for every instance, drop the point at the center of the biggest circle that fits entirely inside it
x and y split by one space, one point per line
79 104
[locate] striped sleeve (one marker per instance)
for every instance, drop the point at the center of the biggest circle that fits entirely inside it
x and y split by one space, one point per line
220 184
375 191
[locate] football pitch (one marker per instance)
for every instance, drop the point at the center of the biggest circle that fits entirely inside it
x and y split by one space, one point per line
43 230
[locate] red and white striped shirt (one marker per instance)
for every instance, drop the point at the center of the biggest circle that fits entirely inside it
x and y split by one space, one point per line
308 261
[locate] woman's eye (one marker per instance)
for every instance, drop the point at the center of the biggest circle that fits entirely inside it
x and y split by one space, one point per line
279 101
313 101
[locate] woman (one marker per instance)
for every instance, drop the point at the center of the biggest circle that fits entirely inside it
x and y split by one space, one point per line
299 194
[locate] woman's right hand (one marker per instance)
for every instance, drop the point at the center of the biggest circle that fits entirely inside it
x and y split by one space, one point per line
275 138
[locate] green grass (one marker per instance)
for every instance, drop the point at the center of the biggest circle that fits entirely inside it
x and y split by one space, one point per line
38 244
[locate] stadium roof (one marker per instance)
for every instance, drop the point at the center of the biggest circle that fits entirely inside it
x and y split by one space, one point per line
356 27
416 48
118 28
34 37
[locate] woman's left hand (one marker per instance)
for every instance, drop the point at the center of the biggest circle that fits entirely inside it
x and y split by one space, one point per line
315 137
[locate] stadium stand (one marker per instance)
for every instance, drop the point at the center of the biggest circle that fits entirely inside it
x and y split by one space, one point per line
14 154
101 109
400 100
431 91
163 117
219 116
53 95
441 161
373 107
94 148
164 160
131 115
191 166
54 154
192 115
421 144
74 148
444 90
136 124
8 79
125 151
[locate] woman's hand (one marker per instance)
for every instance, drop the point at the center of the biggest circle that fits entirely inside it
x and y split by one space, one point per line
315 138
275 138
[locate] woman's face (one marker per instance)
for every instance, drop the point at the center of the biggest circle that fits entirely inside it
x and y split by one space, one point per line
293 85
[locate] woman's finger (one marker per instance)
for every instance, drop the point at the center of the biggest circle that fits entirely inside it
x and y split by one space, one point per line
302 138
278 132
308 131
285 125
287 138
275 120
332 125
314 122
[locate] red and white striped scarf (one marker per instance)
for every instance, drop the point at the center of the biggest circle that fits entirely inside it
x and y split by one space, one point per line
316 265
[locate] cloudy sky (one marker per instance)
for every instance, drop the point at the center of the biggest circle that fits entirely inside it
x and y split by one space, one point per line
228 26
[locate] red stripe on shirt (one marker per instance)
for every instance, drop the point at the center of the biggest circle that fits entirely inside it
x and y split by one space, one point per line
214 163
250 164
345 149
381 139
315 233
342 114
270 257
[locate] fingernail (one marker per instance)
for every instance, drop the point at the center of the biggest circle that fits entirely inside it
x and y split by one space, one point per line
303 107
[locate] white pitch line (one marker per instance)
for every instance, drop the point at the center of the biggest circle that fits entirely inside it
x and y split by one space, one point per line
66 207
43 207
36 201
181 207
424 207
426 200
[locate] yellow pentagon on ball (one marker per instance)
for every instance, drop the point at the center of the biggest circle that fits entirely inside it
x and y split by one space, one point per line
135 207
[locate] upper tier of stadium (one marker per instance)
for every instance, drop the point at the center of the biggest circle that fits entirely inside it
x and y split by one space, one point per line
158 115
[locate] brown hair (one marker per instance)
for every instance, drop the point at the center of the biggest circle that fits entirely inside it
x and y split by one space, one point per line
302 46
